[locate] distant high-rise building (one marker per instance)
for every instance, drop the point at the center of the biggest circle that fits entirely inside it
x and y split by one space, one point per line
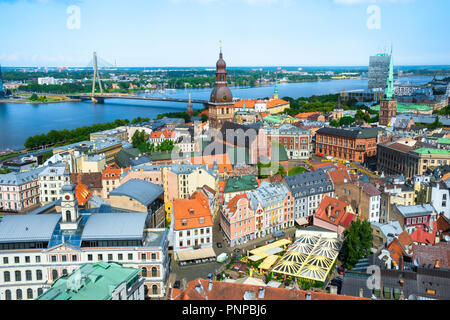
2 90
388 106
378 71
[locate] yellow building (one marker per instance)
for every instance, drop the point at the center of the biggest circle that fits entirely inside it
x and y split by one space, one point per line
181 181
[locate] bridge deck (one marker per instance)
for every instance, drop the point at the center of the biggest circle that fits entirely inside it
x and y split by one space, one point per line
131 97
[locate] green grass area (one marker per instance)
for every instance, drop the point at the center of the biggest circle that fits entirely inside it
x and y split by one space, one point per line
297 170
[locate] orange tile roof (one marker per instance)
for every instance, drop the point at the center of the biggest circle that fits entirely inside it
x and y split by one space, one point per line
83 194
112 172
276 103
166 132
398 247
339 213
191 211
235 291
305 115
232 204
249 103
223 161
339 176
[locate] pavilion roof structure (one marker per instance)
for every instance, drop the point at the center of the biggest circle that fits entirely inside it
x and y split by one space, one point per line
310 257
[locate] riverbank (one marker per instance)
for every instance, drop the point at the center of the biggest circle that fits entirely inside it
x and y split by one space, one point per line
26 101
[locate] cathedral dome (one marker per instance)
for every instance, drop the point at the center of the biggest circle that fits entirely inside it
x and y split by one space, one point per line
221 95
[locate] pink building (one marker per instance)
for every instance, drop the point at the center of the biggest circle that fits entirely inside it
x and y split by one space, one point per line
19 192
154 176
238 221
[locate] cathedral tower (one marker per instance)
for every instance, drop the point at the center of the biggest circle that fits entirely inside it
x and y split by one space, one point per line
221 105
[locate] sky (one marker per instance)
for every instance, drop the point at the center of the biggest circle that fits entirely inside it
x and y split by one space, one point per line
186 33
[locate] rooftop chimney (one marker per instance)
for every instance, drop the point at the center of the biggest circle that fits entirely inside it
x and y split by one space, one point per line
329 211
401 264
261 293
210 286
361 292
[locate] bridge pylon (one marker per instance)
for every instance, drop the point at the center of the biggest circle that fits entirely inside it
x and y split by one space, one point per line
96 76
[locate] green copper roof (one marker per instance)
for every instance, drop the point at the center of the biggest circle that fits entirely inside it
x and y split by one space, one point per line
242 183
444 141
432 151
406 108
92 281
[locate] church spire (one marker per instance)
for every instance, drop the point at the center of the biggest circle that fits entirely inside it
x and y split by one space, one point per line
389 92
275 92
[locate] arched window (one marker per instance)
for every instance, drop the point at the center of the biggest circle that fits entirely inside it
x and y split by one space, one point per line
144 272
145 290
28 275
154 272
65 273
29 294
8 295
154 289
68 218
54 274
18 276
6 276
18 294
38 274
40 291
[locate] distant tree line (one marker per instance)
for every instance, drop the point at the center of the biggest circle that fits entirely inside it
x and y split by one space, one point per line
70 136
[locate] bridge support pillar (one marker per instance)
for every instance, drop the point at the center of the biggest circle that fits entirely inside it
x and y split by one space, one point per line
98 100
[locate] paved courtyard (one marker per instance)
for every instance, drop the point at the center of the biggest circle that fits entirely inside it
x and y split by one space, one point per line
185 274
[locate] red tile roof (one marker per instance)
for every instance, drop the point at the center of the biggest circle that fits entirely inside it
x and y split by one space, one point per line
337 209
421 236
199 290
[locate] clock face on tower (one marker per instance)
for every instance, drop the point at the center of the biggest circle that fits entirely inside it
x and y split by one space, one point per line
67 197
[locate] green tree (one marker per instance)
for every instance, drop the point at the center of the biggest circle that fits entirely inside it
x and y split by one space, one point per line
139 138
346 120
357 242
166 145
334 123
34 97
435 125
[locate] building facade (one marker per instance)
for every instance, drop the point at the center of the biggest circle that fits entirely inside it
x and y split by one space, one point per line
51 181
355 144
19 192
37 249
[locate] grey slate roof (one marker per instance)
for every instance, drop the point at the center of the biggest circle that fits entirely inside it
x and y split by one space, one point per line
28 228
305 182
143 191
17 179
362 133
417 210
115 226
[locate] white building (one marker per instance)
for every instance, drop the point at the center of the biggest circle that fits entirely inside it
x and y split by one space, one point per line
51 181
440 196
37 248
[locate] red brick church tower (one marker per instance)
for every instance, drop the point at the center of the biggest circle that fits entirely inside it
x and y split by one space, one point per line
221 105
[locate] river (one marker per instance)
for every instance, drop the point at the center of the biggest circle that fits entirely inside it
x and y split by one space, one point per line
19 121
